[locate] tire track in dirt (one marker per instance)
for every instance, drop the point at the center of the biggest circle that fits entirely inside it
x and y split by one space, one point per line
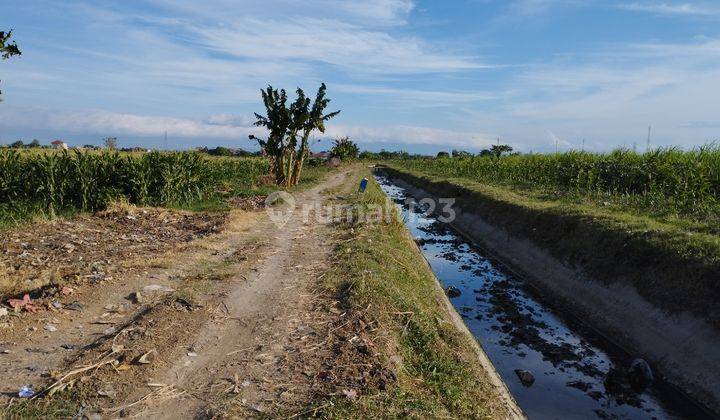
234 352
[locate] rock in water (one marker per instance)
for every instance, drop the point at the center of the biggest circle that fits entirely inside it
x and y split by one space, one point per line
640 374
526 378
453 292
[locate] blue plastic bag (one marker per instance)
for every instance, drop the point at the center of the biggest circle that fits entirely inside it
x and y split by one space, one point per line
363 185
26 392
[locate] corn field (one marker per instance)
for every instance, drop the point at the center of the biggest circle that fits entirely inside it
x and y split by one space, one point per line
666 180
89 181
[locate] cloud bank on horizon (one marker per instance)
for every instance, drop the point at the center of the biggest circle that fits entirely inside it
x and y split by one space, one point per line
418 75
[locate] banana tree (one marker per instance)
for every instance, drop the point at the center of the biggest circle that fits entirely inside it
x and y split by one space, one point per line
277 121
7 48
315 120
287 126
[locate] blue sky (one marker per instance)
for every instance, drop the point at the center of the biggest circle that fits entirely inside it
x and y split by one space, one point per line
417 75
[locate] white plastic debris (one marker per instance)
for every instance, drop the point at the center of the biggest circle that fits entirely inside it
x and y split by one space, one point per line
26 392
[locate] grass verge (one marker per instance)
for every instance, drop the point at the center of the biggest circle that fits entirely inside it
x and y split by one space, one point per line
62 405
380 272
674 268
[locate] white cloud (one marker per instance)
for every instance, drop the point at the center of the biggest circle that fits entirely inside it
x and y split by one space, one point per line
666 8
224 127
610 98
104 123
386 11
406 134
367 12
417 97
328 41
706 49
230 120
523 9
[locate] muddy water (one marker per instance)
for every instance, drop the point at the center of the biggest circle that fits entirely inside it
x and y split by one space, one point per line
574 374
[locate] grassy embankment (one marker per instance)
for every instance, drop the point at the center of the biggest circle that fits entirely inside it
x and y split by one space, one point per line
380 272
669 185
41 185
659 235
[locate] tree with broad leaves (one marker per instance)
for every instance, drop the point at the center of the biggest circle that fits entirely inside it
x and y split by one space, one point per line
7 48
111 143
499 149
345 149
277 121
289 130
315 120
460 153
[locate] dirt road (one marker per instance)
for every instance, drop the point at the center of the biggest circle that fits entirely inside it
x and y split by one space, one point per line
238 352
231 323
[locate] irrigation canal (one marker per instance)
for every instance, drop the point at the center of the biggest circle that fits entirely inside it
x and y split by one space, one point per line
554 368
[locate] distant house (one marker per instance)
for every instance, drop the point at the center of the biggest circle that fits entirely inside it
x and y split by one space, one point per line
320 155
59 144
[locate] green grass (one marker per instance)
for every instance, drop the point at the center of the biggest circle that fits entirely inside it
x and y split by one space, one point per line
62 405
378 266
673 265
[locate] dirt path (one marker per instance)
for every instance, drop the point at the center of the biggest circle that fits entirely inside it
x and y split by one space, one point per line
241 330
235 353
32 345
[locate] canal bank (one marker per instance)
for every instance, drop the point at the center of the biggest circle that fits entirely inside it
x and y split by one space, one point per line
635 327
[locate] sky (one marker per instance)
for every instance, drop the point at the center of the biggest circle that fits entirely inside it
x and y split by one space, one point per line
416 75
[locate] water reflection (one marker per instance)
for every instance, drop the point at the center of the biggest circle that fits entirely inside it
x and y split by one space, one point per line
552 370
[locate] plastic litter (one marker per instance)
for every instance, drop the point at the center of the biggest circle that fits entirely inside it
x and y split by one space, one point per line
24 303
363 185
26 392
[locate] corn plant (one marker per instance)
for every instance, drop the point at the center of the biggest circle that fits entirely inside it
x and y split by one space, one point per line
89 181
664 180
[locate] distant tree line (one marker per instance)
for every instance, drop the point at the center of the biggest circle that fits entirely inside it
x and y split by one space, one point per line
227 151
19 144
496 150
388 155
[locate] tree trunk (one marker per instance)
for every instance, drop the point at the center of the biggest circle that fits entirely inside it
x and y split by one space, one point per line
289 169
297 169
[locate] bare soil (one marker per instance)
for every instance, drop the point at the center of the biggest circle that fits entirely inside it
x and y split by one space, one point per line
165 314
89 248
